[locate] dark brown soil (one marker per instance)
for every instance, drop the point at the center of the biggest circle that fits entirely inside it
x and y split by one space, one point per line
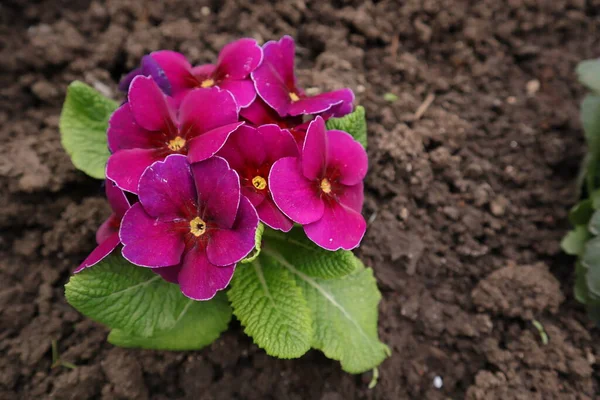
467 204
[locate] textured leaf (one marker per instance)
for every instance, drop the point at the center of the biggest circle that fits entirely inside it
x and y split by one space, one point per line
344 313
354 123
581 212
574 241
199 325
257 244
126 297
83 124
588 72
309 258
594 224
269 304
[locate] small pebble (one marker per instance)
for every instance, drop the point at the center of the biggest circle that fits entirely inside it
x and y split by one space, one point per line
438 382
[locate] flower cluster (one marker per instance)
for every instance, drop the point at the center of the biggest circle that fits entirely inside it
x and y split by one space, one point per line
201 154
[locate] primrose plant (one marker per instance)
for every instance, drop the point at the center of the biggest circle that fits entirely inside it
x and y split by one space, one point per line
583 240
233 192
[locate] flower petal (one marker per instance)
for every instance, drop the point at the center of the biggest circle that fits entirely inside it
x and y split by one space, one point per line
239 58
278 143
347 156
124 133
353 196
243 91
201 280
272 216
244 148
116 199
100 252
297 197
340 228
148 242
319 103
149 105
204 71
205 109
125 167
314 152
126 80
228 246
167 190
274 79
108 228
345 107
169 274
218 189
209 143
177 69
151 68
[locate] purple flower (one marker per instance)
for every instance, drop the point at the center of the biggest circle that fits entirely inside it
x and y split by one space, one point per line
107 235
148 128
235 63
252 152
275 83
191 224
149 67
323 189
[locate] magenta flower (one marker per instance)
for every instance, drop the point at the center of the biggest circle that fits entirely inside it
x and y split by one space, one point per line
275 83
235 63
107 235
148 128
149 67
323 189
259 113
252 152
191 224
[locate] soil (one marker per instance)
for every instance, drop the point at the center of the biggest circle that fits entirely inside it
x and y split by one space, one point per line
466 199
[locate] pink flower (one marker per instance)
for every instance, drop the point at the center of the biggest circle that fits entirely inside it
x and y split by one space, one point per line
235 63
323 189
259 113
148 128
252 152
191 224
107 235
275 83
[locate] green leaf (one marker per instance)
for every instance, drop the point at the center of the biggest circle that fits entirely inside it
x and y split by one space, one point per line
354 123
83 124
344 313
588 72
594 224
574 241
269 304
581 212
199 325
580 289
309 258
591 274
126 297
590 119
257 244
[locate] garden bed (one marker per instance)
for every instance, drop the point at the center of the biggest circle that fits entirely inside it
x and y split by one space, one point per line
474 147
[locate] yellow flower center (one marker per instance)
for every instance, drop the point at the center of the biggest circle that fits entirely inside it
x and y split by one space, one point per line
259 182
197 227
294 96
207 83
326 185
177 143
